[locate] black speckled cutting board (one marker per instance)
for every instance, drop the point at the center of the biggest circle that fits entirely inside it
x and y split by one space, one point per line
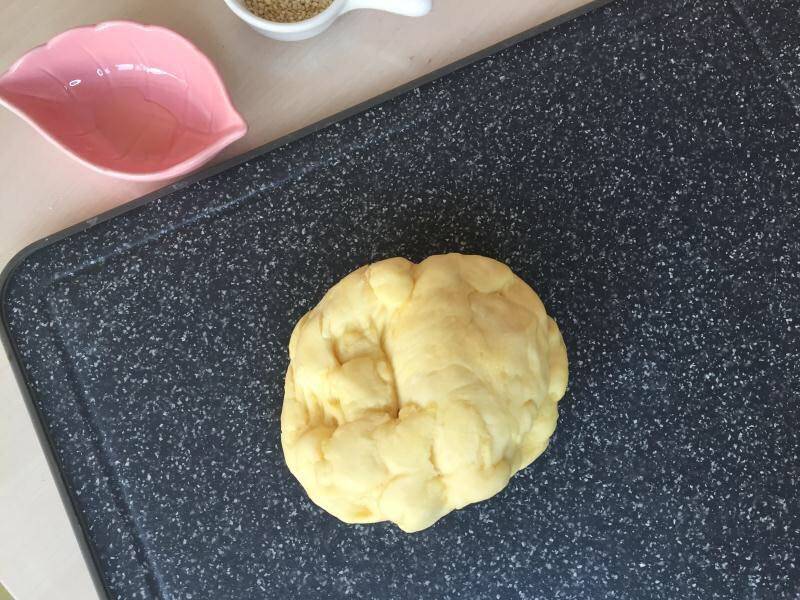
638 166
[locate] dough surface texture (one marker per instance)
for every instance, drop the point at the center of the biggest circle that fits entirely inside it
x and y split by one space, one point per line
416 389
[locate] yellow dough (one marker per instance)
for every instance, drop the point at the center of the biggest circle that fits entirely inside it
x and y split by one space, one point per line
416 389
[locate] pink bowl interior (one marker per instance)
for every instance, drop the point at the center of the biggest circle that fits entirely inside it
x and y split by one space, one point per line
124 97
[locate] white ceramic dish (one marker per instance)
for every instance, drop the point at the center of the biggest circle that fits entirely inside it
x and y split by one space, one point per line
302 30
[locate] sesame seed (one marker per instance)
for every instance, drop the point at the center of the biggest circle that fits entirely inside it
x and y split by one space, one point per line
286 11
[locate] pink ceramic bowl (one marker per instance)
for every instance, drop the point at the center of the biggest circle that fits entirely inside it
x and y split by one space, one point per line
128 100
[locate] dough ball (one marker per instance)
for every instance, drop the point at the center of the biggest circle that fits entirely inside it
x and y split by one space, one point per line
416 389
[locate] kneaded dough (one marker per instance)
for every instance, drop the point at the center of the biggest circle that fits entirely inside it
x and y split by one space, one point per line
416 389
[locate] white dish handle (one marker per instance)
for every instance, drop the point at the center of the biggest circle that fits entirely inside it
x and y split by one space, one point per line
409 8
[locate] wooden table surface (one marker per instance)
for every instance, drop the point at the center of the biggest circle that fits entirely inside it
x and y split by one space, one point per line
278 87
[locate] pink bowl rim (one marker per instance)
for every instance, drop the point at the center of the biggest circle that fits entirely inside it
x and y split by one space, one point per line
175 170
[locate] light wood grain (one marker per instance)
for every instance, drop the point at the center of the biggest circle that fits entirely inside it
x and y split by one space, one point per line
278 87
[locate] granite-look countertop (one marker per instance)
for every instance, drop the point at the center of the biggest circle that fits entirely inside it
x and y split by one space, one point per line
638 166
